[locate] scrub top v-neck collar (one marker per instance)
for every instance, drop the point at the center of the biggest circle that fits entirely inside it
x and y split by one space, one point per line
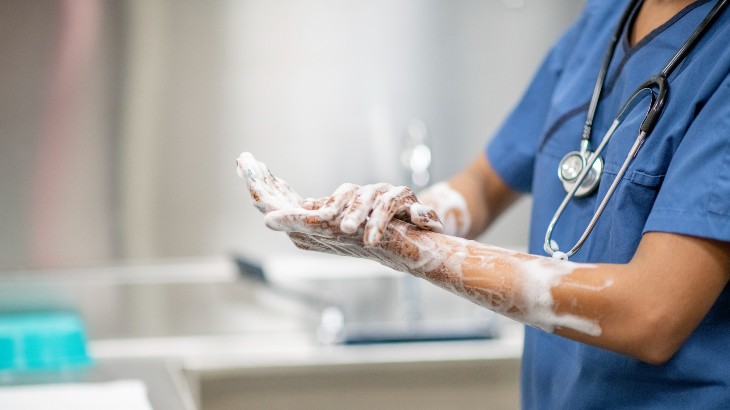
626 35
621 58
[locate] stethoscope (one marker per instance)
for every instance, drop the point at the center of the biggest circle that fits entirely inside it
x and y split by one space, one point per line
580 171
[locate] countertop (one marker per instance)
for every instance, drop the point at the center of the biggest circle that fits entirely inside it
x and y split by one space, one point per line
200 319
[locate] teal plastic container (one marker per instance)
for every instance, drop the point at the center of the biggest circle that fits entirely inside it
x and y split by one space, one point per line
42 341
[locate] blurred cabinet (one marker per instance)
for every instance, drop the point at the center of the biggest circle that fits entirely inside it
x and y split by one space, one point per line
478 384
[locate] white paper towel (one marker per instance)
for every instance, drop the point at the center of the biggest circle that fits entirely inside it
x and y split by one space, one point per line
116 395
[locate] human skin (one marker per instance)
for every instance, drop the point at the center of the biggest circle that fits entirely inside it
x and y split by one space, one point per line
654 13
645 308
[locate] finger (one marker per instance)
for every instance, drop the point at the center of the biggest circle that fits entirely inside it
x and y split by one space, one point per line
338 200
253 173
425 217
284 191
299 220
267 191
396 201
314 204
359 207
248 167
259 180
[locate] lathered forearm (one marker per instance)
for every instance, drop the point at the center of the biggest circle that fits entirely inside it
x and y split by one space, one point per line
513 284
516 285
642 308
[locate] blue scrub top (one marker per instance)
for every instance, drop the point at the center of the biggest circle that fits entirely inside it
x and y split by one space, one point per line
679 182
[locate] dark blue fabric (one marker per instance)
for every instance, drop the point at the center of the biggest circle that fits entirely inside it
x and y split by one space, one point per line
679 183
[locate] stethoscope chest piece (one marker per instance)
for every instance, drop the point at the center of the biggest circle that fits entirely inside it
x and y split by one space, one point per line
570 168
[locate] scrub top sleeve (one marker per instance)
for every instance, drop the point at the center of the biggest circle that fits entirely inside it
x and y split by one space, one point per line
512 150
694 198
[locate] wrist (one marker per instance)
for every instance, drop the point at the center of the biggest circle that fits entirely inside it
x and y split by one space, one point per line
451 207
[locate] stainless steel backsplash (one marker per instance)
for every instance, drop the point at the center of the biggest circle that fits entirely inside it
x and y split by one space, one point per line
120 120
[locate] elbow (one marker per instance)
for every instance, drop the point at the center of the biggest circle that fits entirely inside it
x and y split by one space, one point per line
656 357
659 339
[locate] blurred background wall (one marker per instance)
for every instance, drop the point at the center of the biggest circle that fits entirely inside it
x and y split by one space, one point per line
120 120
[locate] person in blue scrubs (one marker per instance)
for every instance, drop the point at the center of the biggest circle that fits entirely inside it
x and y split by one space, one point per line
652 277
675 196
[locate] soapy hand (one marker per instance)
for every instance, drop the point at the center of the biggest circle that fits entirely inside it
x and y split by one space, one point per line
352 210
340 224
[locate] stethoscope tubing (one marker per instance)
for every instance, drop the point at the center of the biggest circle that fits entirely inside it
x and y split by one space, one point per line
659 83
625 110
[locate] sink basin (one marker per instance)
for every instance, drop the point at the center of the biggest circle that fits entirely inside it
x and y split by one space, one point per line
359 302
